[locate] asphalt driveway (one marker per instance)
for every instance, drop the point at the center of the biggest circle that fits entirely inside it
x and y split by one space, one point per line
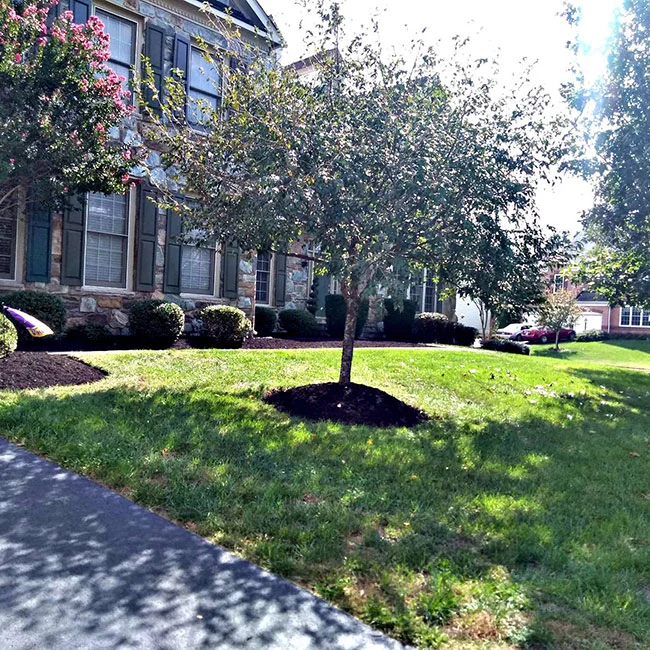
83 568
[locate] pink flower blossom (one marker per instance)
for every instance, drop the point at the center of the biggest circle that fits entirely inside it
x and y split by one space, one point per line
125 178
12 160
99 127
18 58
127 155
41 41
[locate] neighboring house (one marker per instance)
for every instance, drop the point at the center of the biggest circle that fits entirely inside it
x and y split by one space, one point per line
598 314
106 252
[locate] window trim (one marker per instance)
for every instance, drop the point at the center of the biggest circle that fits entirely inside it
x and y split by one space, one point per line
18 248
271 284
130 243
190 88
630 324
137 20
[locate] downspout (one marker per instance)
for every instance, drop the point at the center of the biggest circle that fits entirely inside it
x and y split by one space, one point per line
609 317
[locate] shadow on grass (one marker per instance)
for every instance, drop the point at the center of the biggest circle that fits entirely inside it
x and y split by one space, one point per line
524 511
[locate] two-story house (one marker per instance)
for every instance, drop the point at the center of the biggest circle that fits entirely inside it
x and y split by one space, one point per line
106 252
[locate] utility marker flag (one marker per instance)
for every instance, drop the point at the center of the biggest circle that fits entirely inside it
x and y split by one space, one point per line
34 326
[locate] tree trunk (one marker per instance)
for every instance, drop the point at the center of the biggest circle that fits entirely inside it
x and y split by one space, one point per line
352 300
557 341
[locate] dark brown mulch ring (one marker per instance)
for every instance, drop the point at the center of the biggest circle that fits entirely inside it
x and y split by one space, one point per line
278 343
346 403
39 370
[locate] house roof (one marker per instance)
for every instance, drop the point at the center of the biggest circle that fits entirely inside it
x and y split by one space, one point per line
313 60
589 296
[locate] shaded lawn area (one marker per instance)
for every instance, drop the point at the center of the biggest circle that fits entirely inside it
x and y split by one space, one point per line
629 354
518 518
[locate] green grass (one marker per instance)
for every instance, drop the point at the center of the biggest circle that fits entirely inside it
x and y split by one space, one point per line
519 517
629 354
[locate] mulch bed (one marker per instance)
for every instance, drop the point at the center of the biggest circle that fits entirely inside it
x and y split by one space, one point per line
39 370
346 403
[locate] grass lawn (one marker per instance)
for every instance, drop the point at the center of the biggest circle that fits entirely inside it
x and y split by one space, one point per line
519 517
629 354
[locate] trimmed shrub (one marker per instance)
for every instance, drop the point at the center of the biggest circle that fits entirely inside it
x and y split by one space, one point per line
506 345
463 334
91 332
8 336
431 327
44 306
398 323
624 336
223 326
157 322
336 312
266 319
592 335
297 322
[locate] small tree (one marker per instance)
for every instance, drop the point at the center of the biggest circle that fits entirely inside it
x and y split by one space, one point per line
560 310
58 104
377 159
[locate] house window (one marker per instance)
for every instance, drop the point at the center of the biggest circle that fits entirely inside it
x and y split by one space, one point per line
635 317
197 269
263 278
204 87
430 294
558 282
107 235
123 34
8 235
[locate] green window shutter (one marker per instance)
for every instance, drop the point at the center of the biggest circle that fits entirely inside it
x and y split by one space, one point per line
173 252
74 235
231 271
147 242
280 279
81 10
154 46
39 242
182 50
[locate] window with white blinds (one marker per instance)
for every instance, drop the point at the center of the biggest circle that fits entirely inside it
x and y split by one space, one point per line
107 234
197 270
122 33
8 233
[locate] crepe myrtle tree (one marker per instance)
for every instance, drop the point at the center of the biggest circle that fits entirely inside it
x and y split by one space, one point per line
382 164
558 311
58 103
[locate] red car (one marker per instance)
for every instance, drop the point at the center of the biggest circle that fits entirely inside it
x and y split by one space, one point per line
544 335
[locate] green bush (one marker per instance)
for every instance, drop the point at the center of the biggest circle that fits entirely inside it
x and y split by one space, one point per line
8 336
156 322
463 334
431 327
44 306
223 326
91 332
592 335
297 322
505 345
266 319
398 323
336 312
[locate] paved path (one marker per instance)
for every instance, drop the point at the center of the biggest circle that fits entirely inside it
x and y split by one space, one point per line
83 568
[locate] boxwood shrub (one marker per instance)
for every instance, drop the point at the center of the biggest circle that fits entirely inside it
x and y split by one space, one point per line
336 312
8 336
432 327
156 322
223 326
463 334
90 332
44 306
298 322
266 319
398 323
592 335
506 345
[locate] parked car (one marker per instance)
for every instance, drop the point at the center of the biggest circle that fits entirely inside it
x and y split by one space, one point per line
513 331
545 335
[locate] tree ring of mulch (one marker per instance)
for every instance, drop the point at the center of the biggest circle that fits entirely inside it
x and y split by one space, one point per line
20 370
345 403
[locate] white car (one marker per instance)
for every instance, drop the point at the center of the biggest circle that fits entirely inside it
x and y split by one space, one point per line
513 331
